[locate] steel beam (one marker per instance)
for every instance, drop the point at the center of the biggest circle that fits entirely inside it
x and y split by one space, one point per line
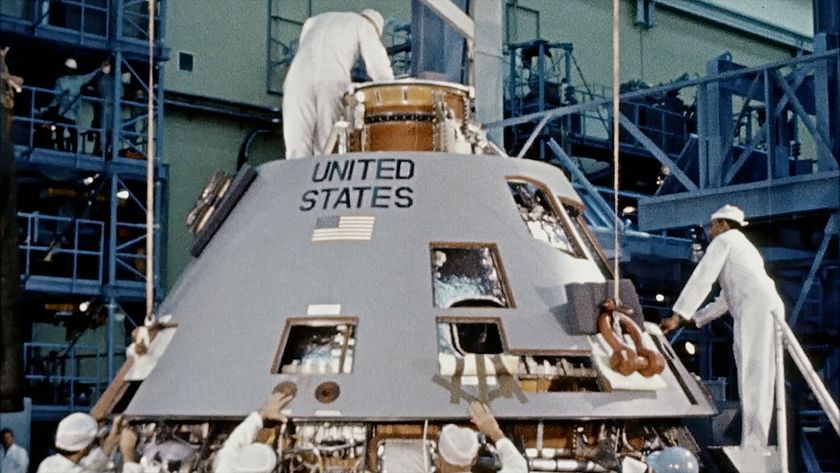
656 152
817 133
566 163
741 114
594 104
763 133
708 11
746 153
829 231
718 127
807 193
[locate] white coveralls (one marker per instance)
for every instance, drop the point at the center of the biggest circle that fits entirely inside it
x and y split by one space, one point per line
748 293
330 44
244 434
512 461
95 462
14 460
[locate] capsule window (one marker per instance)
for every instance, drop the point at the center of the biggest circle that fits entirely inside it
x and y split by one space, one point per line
543 219
588 239
461 338
318 346
468 276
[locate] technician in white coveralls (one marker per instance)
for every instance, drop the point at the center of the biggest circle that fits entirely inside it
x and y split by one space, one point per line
330 44
748 293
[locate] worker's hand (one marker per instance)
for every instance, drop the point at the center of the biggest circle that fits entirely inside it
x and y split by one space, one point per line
128 444
113 437
272 410
482 418
672 323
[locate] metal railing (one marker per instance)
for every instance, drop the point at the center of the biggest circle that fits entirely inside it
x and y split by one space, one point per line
35 126
731 153
784 338
71 373
131 253
86 20
66 248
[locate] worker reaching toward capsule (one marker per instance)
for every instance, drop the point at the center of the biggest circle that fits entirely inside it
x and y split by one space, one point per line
330 44
750 296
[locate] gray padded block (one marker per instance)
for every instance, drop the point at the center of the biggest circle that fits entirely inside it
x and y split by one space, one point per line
584 299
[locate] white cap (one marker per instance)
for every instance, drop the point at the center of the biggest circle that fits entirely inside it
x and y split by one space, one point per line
254 458
70 63
375 17
730 212
457 445
75 432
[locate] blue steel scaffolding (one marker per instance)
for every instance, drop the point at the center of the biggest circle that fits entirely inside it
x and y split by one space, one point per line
764 138
83 261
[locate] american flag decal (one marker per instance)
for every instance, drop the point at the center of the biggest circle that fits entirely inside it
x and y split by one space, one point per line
343 228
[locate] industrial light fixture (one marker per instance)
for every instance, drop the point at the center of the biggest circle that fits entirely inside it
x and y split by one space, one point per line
84 306
628 210
89 180
122 194
690 348
660 298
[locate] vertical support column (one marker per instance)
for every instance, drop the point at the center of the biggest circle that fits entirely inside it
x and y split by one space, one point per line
159 239
718 120
489 63
111 253
827 99
114 134
702 134
109 342
770 136
117 11
541 73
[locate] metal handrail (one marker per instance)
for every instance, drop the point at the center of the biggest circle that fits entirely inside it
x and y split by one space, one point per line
808 372
130 114
69 356
30 247
126 259
784 338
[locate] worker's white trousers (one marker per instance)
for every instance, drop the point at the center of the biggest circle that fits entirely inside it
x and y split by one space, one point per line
310 108
754 350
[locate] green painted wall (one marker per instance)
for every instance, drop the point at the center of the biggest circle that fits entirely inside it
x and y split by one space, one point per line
197 145
677 44
228 40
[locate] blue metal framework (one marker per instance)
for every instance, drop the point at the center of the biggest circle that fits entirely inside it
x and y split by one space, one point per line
69 375
765 138
101 257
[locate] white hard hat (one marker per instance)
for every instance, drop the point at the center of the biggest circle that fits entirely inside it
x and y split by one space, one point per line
70 63
75 432
457 445
254 458
730 212
376 18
